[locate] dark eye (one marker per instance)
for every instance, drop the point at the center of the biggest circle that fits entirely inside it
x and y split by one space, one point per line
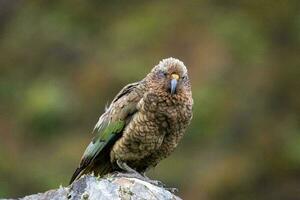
162 74
185 77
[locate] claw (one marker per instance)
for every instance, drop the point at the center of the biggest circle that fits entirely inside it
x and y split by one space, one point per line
172 190
131 173
154 182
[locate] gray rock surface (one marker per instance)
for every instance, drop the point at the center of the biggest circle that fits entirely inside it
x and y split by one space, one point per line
92 188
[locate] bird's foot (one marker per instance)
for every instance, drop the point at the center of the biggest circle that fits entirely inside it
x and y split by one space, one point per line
146 179
130 173
172 190
153 182
126 168
127 175
159 183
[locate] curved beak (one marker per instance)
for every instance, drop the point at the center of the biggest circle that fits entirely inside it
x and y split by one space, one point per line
174 81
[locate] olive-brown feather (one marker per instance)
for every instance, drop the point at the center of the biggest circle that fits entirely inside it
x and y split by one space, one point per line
156 112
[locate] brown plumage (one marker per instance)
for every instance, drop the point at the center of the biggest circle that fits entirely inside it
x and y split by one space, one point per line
143 124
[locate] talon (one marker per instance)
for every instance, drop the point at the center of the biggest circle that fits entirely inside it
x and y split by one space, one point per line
131 173
156 182
172 190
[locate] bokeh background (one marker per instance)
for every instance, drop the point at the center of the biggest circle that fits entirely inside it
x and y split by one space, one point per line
62 61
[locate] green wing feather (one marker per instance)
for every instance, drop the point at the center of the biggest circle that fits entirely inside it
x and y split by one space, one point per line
101 140
97 145
96 154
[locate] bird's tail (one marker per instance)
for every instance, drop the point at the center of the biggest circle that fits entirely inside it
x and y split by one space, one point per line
101 167
96 157
75 175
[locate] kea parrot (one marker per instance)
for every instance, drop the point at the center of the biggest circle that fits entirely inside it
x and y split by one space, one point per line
143 124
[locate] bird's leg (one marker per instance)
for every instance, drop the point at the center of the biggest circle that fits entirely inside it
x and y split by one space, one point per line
159 183
125 167
130 173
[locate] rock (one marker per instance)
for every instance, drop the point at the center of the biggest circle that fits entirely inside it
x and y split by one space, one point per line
90 187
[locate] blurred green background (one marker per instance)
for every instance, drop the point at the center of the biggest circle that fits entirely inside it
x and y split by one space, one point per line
62 61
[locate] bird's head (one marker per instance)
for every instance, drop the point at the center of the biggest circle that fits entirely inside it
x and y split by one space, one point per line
171 76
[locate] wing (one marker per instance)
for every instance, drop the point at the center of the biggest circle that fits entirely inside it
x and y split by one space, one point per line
116 105
109 128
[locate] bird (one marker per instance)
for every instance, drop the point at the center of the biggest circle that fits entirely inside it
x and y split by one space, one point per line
143 124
